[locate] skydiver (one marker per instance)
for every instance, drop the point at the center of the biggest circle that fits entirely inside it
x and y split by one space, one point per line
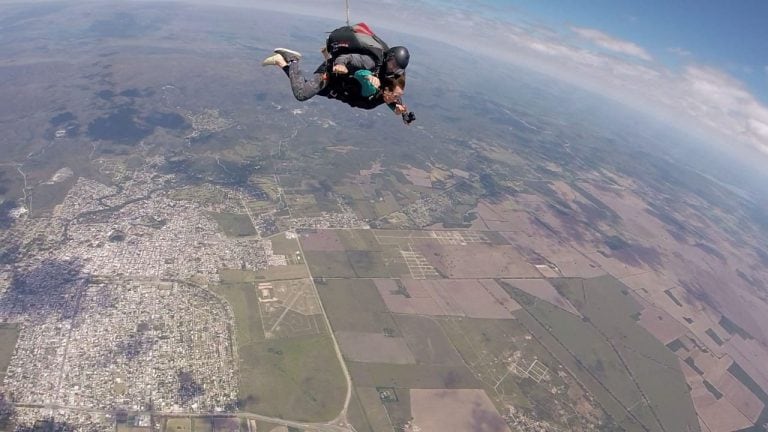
348 81
359 69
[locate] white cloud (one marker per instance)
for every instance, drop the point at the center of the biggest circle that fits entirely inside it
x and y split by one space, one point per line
724 102
611 43
703 100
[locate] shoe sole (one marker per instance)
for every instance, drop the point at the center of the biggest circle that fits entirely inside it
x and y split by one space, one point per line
271 60
288 51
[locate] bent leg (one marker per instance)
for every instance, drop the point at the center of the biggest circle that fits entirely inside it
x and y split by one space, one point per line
304 88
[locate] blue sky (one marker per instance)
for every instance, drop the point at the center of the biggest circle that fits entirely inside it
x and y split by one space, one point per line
732 36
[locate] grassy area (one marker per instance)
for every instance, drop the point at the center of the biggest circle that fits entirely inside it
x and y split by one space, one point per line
298 378
375 410
258 207
234 225
289 272
489 346
653 367
178 425
9 334
369 264
399 412
357 415
411 376
329 264
303 205
244 301
484 344
355 305
202 424
284 246
266 184
634 376
127 428
198 194
388 204
359 240
265 426
364 257
46 196
228 424
607 401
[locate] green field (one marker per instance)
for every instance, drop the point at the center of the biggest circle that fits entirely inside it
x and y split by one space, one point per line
484 344
399 412
298 378
634 377
178 425
412 376
329 264
359 240
289 272
225 424
46 196
357 416
307 204
202 424
198 194
355 305
234 225
126 428
363 257
9 334
488 347
373 264
284 246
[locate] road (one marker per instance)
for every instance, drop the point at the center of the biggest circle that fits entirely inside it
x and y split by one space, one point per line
341 419
313 427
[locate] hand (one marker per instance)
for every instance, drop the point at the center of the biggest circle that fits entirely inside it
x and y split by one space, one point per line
340 69
374 81
400 109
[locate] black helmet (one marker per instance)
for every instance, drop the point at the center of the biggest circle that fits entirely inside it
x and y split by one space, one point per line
401 56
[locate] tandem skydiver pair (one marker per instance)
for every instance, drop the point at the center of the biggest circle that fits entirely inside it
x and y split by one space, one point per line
359 70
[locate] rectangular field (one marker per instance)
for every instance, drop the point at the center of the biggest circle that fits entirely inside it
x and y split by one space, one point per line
202 424
298 378
234 225
374 409
301 373
412 376
355 305
9 334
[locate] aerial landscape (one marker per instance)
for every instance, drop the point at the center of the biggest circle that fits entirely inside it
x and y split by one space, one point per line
185 247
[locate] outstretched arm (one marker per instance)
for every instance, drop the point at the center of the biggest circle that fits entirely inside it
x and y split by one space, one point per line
398 107
355 62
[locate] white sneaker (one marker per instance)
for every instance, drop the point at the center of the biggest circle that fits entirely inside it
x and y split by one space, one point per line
288 55
273 60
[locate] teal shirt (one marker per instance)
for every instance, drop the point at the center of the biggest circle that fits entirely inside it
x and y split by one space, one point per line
366 87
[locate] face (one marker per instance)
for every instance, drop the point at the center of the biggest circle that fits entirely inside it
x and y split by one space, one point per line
392 96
